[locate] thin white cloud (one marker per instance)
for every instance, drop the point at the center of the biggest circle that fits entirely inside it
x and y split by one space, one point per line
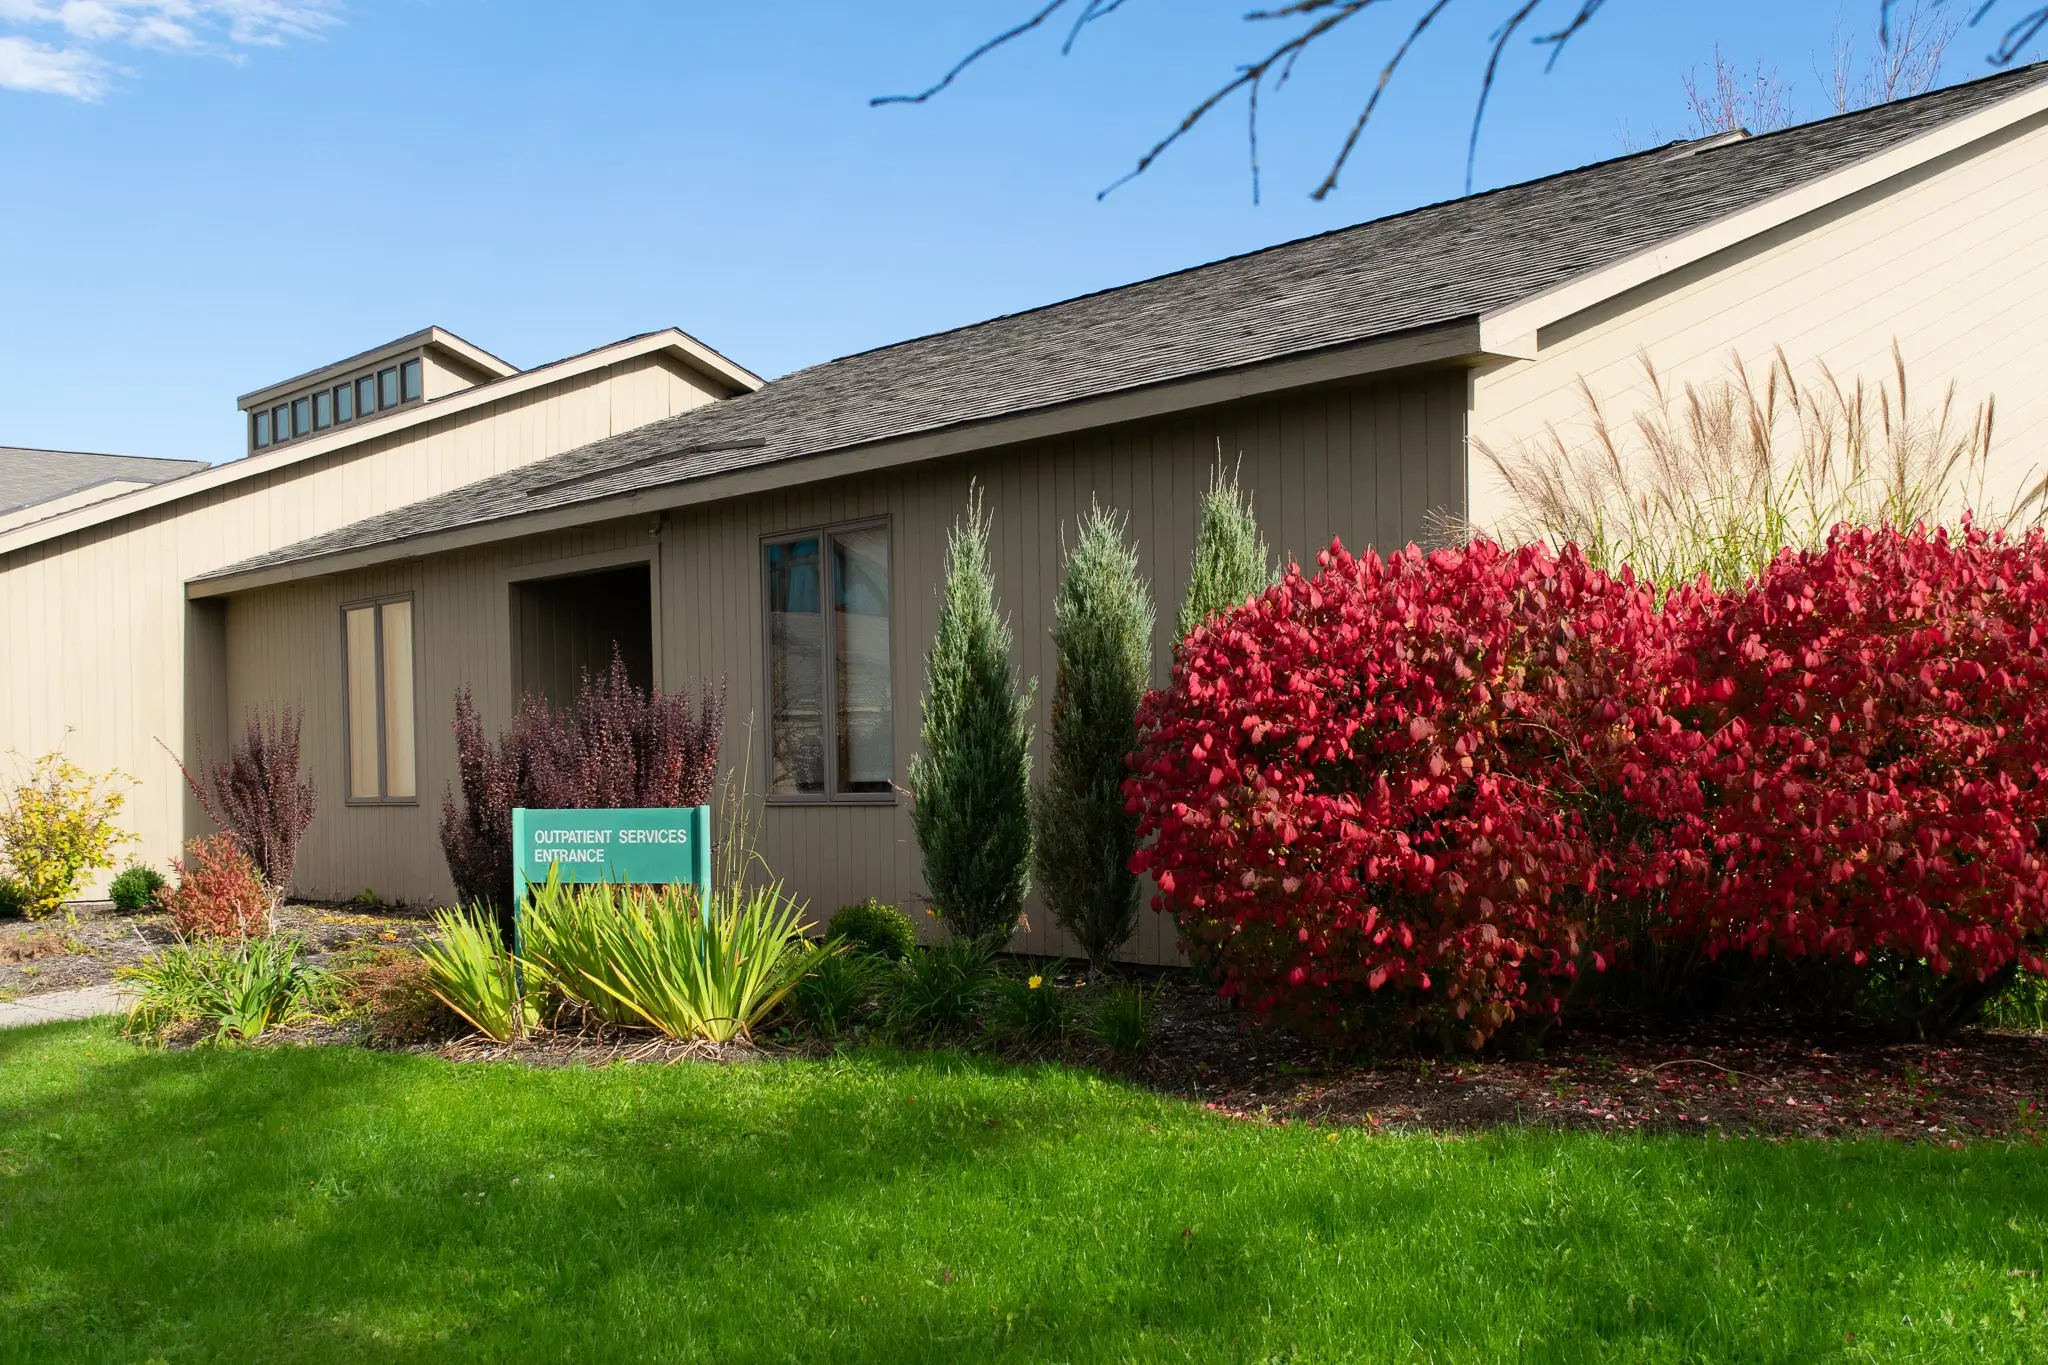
50 71
79 70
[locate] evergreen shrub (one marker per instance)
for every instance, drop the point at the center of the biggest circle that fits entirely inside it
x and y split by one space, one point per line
136 887
869 926
1083 836
971 785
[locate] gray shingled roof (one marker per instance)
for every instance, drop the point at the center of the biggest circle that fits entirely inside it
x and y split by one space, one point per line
1428 267
30 476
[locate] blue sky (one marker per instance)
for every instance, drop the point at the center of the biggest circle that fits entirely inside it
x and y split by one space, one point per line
204 196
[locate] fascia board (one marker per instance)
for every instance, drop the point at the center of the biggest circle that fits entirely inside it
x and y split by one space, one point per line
1515 326
1452 344
670 341
475 355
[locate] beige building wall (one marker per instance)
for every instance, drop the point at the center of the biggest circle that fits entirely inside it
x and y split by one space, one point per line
1951 261
109 672
1364 462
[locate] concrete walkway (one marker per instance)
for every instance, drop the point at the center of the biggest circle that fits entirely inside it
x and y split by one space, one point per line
60 1006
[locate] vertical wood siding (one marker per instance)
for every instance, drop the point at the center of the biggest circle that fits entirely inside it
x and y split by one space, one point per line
1950 262
1364 463
97 624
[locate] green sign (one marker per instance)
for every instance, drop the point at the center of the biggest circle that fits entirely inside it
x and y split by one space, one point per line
640 846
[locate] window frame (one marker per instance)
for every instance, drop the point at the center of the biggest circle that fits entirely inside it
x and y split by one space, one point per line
365 383
376 606
323 409
392 372
344 397
415 371
280 424
259 429
827 654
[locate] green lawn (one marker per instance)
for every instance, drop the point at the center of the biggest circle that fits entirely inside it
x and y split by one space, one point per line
335 1204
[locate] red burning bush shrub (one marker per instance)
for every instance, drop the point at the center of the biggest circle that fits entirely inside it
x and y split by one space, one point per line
1435 789
1403 784
1875 757
219 894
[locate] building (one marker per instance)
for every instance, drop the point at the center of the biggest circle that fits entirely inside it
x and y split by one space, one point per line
1350 373
38 484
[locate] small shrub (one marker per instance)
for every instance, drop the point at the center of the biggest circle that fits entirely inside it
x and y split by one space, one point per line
971 785
873 927
14 898
58 826
244 988
136 888
389 992
472 974
1032 1008
259 797
1121 1019
939 988
838 987
219 894
614 746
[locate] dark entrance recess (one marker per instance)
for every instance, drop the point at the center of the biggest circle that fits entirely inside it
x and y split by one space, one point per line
562 627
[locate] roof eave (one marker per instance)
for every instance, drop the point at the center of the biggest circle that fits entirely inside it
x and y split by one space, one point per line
1453 344
677 345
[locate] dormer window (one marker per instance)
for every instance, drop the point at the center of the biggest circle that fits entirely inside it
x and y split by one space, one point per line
414 369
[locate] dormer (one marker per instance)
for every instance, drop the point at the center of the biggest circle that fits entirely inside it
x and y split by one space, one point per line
411 370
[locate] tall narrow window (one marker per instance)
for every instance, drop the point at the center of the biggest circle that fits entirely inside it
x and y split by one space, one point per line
344 402
831 705
302 416
409 381
378 668
262 436
387 388
280 422
323 410
366 395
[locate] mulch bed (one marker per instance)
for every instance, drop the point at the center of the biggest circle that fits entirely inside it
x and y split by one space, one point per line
1778 1084
98 939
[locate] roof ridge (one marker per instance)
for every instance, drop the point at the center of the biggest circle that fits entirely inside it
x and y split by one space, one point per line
1719 139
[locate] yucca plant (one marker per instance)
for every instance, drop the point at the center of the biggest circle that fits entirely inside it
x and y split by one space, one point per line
474 975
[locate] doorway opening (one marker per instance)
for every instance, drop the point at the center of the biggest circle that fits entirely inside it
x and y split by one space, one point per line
565 627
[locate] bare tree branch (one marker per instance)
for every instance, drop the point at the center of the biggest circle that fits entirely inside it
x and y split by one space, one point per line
1905 66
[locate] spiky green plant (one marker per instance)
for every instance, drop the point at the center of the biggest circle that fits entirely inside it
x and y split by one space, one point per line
839 982
939 989
473 974
1083 836
688 974
243 987
972 783
565 941
1230 561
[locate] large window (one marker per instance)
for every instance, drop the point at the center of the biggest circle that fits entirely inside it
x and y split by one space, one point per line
377 667
831 709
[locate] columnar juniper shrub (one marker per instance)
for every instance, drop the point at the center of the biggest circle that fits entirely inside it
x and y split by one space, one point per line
1436 790
971 785
615 746
1230 564
1082 835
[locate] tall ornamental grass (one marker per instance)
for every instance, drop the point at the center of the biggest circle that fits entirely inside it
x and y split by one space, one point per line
1083 835
971 785
1714 480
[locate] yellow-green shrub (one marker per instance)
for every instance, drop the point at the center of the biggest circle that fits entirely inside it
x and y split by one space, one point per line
58 826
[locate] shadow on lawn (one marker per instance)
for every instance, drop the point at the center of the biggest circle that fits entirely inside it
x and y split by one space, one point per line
327 1202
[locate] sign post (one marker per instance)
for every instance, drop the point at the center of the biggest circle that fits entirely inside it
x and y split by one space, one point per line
650 846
